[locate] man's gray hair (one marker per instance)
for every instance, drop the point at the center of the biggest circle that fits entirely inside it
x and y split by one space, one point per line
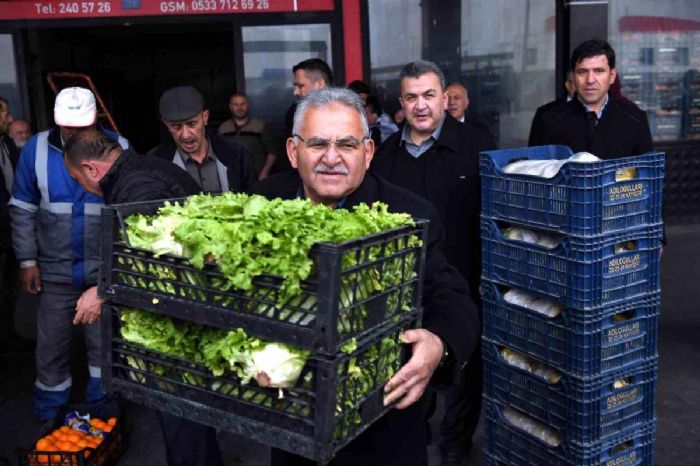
325 97
418 68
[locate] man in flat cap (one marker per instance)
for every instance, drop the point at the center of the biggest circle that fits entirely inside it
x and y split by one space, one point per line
216 164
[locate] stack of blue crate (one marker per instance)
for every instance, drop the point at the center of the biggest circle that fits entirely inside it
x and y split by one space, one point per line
571 306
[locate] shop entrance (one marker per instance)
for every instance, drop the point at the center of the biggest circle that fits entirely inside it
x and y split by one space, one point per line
131 65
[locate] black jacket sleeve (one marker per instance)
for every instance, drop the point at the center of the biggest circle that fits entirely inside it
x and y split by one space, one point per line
537 130
238 161
248 178
150 191
449 311
644 143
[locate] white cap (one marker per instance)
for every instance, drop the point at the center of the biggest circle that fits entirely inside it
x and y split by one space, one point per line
74 107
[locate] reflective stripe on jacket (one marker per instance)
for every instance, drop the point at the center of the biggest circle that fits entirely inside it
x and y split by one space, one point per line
52 215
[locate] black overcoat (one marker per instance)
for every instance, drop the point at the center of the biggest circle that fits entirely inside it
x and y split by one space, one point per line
447 175
622 131
399 438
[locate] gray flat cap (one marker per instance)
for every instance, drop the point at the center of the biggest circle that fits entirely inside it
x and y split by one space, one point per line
180 103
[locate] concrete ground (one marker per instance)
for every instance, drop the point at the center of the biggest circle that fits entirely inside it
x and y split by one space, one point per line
678 395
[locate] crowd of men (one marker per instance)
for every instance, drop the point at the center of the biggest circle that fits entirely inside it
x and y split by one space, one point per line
341 149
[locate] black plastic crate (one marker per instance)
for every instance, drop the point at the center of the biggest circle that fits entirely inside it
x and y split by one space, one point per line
583 199
106 454
579 272
581 410
516 447
586 343
355 287
327 408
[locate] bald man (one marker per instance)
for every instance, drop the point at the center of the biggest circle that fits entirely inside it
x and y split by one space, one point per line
20 132
457 101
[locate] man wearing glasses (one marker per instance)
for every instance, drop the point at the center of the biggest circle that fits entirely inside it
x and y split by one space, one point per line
331 151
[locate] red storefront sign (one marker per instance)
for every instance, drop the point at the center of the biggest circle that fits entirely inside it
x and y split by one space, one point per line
86 9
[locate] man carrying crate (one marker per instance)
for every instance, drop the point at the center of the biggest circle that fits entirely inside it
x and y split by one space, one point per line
331 150
119 176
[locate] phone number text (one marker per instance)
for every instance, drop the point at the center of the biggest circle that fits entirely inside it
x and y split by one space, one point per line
213 6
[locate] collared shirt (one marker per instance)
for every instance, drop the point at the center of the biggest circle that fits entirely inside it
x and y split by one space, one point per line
205 174
599 113
416 150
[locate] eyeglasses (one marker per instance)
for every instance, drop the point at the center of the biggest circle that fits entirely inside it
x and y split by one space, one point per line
346 146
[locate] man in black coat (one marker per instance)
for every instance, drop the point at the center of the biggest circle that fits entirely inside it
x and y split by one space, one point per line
331 151
593 121
103 168
437 158
215 163
570 88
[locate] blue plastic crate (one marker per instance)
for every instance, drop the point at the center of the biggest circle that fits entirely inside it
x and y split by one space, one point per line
583 199
582 343
490 460
515 447
584 273
581 410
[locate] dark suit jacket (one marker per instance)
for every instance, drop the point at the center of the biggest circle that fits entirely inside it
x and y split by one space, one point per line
447 175
622 130
535 126
399 437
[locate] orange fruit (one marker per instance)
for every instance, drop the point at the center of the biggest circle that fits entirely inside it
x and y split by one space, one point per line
43 444
107 428
43 459
56 459
112 421
74 437
95 421
65 429
64 445
87 453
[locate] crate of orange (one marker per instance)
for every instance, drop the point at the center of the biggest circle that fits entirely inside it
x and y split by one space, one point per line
100 444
